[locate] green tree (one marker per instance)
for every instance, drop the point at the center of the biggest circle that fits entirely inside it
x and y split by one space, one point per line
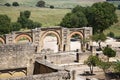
26 22
111 34
29 24
109 52
15 26
101 37
119 6
15 4
4 24
27 13
74 20
40 4
32 25
91 62
117 66
7 4
78 8
51 6
23 21
36 25
104 65
101 16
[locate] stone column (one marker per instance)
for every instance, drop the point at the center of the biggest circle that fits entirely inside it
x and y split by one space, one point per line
36 35
73 75
9 38
30 67
94 50
78 55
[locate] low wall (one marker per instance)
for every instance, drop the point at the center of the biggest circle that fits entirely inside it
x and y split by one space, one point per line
63 58
62 75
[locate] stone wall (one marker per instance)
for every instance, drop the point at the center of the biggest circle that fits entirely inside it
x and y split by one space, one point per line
62 75
57 58
16 56
18 59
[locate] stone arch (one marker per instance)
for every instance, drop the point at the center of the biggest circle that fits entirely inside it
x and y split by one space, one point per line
78 33
57 35
2 40
23 35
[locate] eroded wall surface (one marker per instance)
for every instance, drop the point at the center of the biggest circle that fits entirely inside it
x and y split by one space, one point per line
15 57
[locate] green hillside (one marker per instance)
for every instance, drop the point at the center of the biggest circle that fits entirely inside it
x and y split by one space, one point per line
46 16
56 3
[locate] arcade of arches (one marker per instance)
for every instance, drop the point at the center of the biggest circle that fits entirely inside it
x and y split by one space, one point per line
37 37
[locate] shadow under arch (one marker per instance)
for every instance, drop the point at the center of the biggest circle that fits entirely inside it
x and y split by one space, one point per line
55 33
22 36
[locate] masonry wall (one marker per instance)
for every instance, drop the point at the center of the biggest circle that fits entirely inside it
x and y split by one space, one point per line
17 56
62 75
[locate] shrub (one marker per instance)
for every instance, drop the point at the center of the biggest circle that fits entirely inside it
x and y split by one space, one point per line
32 25
26 22
27 14
4 24
40 4
36 24
109 52
118 6
7 4
15 26
15 4
111 34
51 6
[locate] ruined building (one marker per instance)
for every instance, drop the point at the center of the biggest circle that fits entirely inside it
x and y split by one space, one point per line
25 61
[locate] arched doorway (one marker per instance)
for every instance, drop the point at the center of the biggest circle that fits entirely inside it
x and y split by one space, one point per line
75 41
50 41
23 38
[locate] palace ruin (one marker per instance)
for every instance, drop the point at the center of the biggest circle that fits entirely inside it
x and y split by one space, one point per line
28 61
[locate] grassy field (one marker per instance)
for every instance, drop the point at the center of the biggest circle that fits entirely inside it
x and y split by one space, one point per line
46 16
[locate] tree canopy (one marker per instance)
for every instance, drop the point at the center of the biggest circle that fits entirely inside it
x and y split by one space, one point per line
104 65
7 4
91 62
4 24
75 19
109 52
25 22
117 66
99 37
15 26
100 16
40 4
15 4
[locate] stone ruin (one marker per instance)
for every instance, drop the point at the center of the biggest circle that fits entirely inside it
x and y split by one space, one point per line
29 61
20 62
